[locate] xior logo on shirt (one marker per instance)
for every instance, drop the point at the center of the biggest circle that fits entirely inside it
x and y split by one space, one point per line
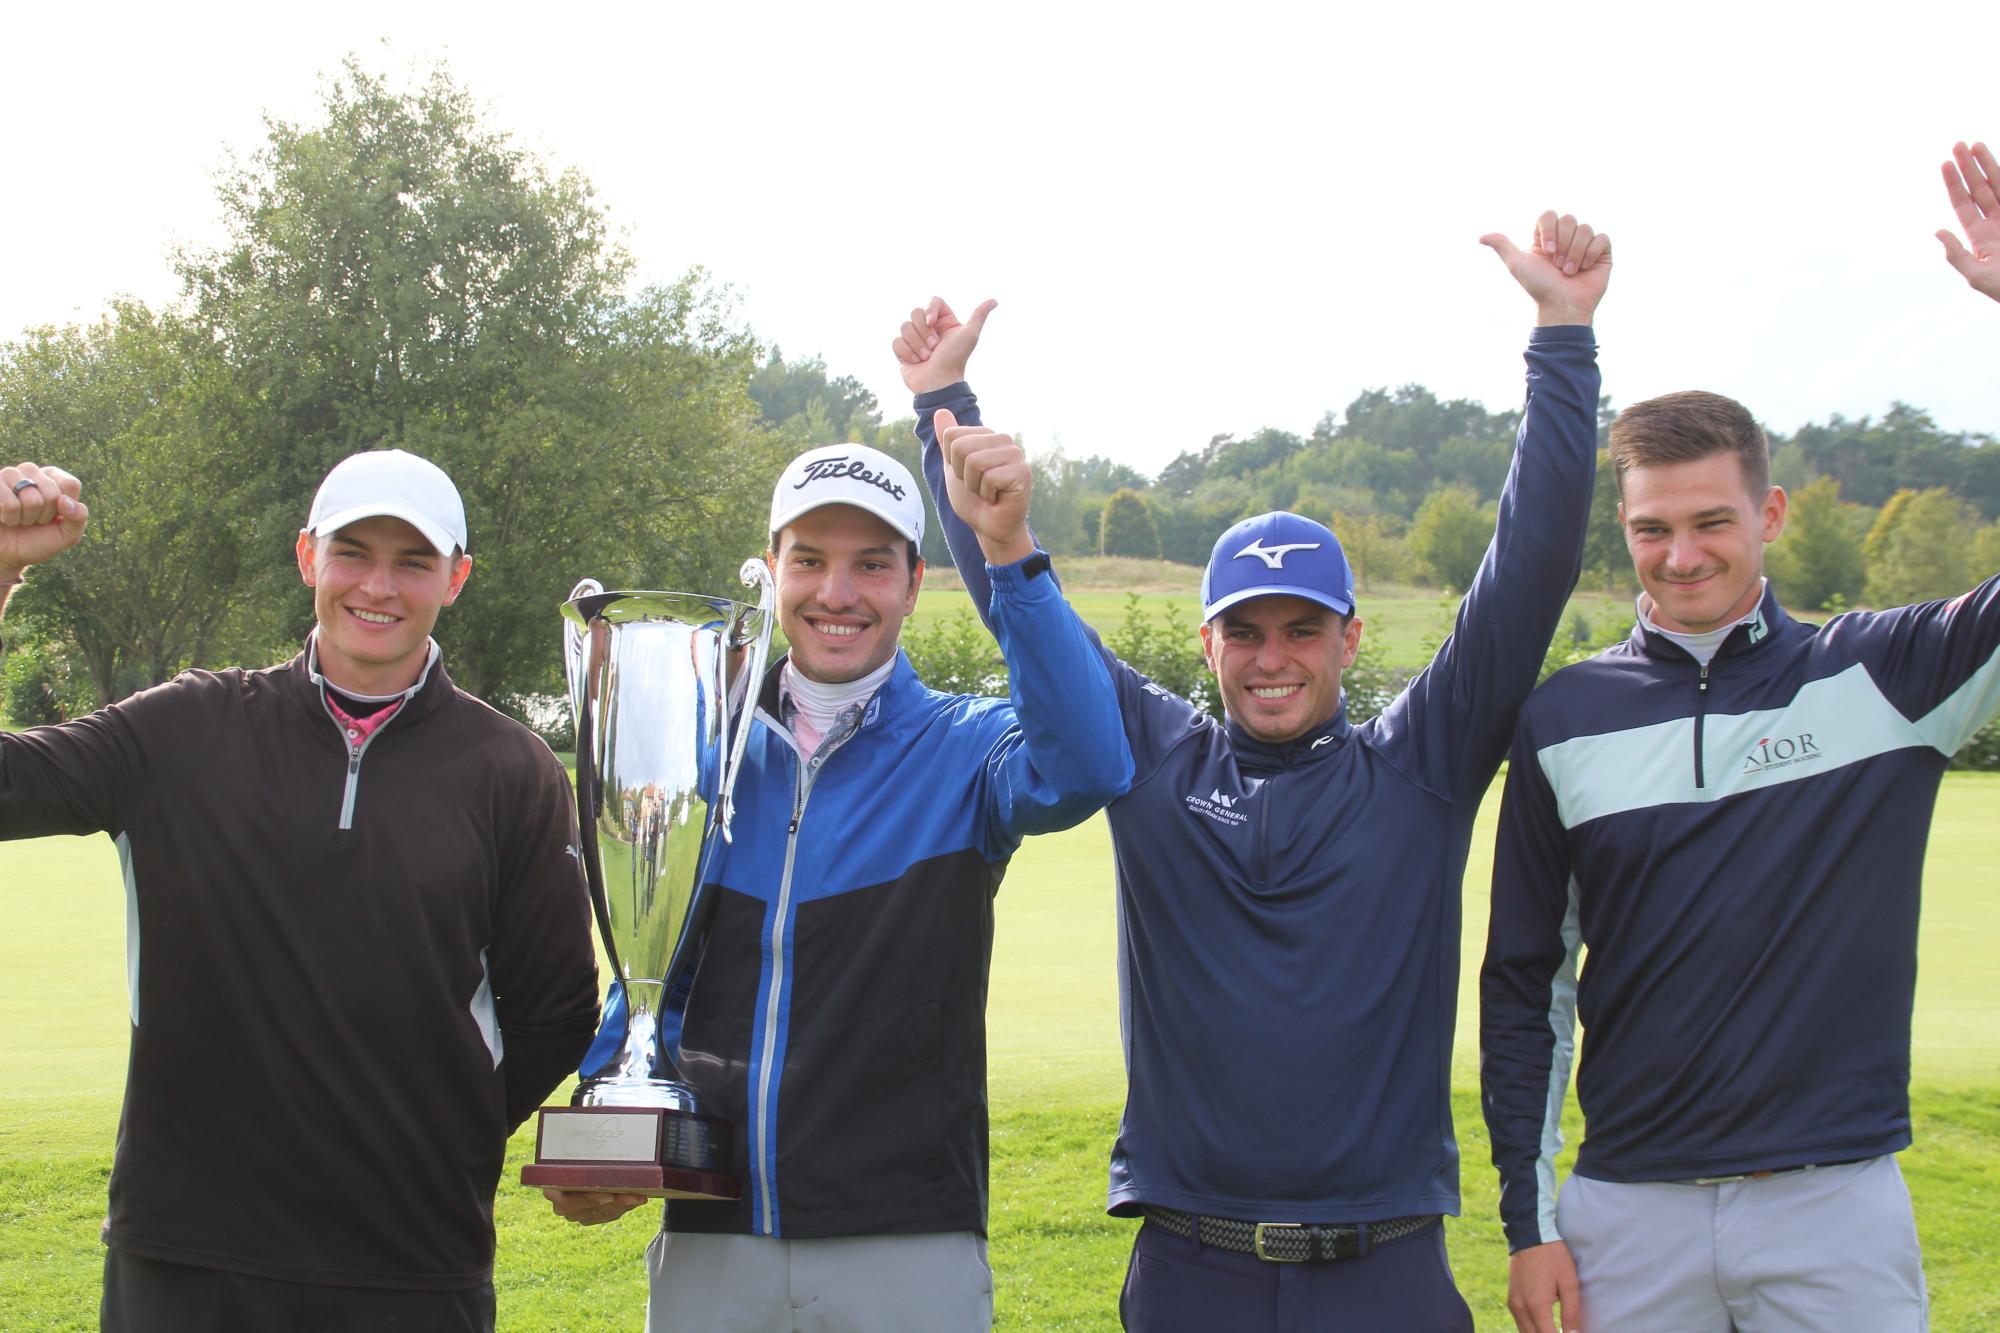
1781 753
1222 809
831 469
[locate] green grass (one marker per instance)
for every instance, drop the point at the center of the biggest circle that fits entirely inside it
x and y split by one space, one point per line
1055 1081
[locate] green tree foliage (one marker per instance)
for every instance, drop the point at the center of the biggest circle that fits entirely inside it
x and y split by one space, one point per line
1986 551
400 274
955 655
1819 562
798 398
1605 556
1920 548
1373 544
1450 534
1905 450
140 407
1128 528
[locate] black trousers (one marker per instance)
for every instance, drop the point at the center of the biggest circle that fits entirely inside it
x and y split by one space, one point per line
150 1296
1176 1285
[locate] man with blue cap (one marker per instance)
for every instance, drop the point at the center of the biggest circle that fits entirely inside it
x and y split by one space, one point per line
1288 883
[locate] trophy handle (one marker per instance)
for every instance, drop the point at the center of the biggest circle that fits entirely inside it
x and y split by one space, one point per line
755 574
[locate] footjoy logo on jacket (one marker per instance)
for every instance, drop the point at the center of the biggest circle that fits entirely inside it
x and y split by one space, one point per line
831 469
1782 752
1222 809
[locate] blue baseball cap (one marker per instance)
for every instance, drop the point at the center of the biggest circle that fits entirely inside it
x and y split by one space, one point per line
1278 553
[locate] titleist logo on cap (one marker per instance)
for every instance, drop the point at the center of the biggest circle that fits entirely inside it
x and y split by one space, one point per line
830 469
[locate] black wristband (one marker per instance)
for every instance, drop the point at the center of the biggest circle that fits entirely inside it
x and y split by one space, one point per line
1038 563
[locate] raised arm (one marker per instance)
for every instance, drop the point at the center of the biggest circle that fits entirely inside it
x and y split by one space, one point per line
1066 757
1453 724
932 350
1972 182
1527 1037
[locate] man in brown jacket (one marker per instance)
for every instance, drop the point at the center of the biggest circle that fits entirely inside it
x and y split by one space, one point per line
360 946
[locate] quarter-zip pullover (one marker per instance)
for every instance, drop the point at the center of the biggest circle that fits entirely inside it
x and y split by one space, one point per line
836 1013
1289 915
1740 846
354 966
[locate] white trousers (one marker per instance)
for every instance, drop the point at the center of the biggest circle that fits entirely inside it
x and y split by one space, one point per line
935 1283
1827 1250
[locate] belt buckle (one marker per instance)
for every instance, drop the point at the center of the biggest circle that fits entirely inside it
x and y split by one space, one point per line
1257 1241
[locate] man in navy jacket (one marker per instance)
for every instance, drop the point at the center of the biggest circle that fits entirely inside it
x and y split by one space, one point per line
1289 883
1730 810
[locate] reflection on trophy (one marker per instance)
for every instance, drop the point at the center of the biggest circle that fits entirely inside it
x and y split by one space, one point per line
662 686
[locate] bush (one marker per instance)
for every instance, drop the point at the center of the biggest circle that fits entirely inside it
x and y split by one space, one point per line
1450 535
957 656
1921 549
1166 652
42 681
1982 751
1128 527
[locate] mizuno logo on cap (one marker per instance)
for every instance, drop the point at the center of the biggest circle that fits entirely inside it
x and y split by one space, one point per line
1274 556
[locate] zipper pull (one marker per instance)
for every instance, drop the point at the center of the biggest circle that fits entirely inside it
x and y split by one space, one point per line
795 824
1704 677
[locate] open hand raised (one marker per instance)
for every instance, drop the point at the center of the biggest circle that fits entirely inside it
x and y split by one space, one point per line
934 346
987 477
1566 268
1973 182
41 514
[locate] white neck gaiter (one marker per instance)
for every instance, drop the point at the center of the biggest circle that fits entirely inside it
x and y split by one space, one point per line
818 705
1703 646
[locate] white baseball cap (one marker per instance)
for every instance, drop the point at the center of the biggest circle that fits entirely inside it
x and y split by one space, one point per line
391 482
850 474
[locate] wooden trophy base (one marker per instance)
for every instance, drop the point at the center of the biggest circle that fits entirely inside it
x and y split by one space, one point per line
654 1151
655 1182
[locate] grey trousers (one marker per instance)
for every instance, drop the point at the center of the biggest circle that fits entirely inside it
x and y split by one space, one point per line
1828 1250
936 1283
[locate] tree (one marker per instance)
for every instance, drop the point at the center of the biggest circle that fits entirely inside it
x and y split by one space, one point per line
1450 535
1373 544
1128 527
1986 551
400 274
139 407
1604 549
799 399
1904 450
1920 548
1819 559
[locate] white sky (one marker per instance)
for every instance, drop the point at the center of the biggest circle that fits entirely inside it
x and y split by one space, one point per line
1198 218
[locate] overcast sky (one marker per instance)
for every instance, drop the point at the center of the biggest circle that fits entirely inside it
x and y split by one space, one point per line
1197 218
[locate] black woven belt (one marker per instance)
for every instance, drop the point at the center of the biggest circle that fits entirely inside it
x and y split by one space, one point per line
1288 1242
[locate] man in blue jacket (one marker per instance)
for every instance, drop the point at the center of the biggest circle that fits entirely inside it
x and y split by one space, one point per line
1289 883
1730 810
837 1009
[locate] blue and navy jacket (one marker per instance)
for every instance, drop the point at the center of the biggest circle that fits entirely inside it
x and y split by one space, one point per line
837 1010
1289 915
1739 846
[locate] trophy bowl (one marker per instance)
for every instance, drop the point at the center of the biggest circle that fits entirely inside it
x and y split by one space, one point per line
662 686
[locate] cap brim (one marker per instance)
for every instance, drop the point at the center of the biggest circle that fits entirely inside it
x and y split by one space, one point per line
882 512
433 533
1326 599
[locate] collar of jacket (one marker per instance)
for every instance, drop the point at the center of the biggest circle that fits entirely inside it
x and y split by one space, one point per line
1770 625
886 703
1263 757
428 695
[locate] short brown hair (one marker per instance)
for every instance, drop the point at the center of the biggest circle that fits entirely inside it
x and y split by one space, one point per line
1687 427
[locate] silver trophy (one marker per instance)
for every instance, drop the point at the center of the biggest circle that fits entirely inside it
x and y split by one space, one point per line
662 686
